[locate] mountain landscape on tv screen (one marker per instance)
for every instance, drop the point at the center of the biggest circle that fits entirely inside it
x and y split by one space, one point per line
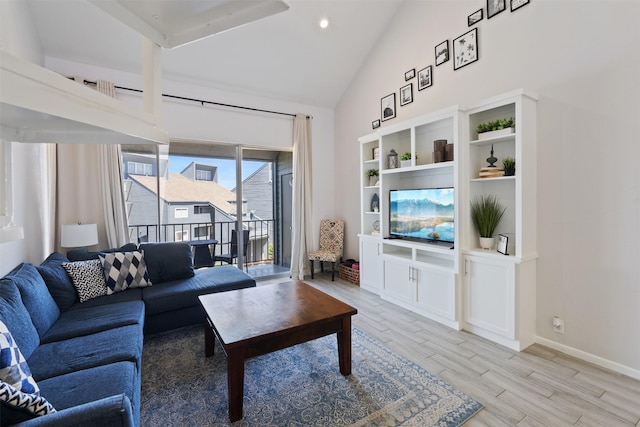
422 218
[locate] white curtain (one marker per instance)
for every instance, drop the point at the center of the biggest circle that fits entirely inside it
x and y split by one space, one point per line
112 186
301 236
45 168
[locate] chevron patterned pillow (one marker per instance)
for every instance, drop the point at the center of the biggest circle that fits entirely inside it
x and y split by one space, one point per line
87 278
124 270
32 403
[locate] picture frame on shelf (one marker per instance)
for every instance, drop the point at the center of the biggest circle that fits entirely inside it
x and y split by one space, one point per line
517 4
406 94
475 17
375 124
425 79
495 7
442 52
503 241
388 107
409 74
465 49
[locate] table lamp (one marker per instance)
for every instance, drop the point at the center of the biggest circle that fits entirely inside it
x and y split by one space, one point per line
79 236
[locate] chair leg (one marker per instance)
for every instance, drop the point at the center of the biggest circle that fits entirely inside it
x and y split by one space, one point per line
333 271
311 262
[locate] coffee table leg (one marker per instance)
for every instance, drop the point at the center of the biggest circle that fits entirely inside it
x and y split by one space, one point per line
344 346
235 378
209 339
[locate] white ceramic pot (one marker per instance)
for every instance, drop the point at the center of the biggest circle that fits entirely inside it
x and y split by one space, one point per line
487 242
405 163
495 133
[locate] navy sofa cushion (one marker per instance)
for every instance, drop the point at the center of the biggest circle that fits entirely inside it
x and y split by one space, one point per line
85 255
58 281
35 296
16 317
134 294
88 351
93 384
168 261
170 296
85 321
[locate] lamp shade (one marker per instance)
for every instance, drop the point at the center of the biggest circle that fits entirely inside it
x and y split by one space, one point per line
79 235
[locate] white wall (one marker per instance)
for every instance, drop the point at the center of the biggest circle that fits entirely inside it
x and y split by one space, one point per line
582 59
18 36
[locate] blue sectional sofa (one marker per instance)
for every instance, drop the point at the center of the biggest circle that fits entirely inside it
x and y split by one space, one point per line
85 357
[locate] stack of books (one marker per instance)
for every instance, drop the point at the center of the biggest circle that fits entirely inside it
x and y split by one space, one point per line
488 172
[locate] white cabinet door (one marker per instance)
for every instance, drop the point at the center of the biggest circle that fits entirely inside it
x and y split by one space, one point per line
370 265
490 295
436 291
398 280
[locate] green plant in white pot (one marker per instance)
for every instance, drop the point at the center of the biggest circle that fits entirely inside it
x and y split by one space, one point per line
486 214
373 176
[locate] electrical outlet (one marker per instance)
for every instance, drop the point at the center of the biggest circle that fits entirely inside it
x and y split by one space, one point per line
557 324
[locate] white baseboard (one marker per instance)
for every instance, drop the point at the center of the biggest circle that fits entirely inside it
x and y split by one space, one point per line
591 358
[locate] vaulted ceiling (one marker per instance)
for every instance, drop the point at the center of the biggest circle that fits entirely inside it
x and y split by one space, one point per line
286 56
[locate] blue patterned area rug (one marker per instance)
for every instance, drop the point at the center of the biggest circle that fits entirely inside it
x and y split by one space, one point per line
295 387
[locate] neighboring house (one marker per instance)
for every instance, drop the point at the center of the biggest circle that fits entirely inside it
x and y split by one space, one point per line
193 206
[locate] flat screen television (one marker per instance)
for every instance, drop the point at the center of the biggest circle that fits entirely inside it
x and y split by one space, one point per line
422 214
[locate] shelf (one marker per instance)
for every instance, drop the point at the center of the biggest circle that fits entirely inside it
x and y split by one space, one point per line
372 213
373 161
495 140
431 166
375 187
500 178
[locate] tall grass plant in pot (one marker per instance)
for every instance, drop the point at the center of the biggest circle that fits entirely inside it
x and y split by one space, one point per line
486 214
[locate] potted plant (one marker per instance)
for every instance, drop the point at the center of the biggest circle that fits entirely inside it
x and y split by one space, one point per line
373 176
509 165
486 214
496 128
405 159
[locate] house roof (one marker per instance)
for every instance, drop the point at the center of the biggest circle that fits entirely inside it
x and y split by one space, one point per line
180 189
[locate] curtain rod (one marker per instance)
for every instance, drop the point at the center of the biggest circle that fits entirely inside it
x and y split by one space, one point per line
200 101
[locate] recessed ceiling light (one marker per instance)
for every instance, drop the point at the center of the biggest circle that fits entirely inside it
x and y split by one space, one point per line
324 23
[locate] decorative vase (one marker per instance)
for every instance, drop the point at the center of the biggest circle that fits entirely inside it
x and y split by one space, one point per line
487 242
373 180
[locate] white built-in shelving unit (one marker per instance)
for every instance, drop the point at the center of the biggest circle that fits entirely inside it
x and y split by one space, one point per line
462 286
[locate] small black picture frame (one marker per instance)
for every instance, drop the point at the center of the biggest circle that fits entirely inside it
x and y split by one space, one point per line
388 107
409 74
425 77
495 7
475 17
517 4
503 241
375 124
442 52
406 94
465 49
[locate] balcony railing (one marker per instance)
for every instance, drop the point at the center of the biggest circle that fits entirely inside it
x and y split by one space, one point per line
261 236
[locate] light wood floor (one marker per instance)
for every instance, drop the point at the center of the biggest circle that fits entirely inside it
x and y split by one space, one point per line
536 387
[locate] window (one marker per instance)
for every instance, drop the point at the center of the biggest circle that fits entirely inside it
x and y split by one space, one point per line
182 236
136 168
181 213
203 175
201 209
200 232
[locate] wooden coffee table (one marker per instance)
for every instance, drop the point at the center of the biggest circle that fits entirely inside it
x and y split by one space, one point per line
255 321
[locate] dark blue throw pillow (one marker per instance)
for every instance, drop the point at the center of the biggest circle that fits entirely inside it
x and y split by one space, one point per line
85 255
168 261
58 281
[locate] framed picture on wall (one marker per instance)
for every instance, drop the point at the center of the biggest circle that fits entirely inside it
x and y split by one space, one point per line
406 94
442 52
494 7
465 49
517 4
388 107
375 124
424 78
409 74
474 18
